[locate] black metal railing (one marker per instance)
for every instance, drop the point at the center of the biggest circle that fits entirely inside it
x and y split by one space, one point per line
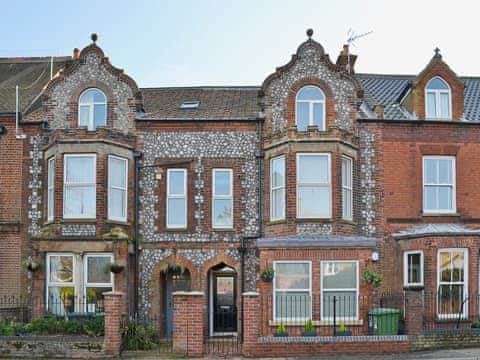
147 333
224 337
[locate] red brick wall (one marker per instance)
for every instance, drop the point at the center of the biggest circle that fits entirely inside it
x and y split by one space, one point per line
188 327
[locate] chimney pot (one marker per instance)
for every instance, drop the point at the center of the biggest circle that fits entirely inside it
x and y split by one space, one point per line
379 111
76 53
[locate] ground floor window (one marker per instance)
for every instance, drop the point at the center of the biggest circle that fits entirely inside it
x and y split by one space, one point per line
413 268
292 290
69 289
452 285
339 290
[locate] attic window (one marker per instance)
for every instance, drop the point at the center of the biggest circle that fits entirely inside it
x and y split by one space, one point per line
190 105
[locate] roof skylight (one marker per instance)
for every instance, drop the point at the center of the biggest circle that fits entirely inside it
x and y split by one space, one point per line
190 105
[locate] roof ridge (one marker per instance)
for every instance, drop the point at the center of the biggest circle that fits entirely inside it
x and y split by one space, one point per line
206 87
33 59
396 76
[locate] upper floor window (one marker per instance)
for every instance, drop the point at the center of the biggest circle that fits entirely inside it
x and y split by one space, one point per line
92 109
310 108
347 188
439 184
438 99
222 212
79 195
277 196
50 188
176 198
313 185
117 188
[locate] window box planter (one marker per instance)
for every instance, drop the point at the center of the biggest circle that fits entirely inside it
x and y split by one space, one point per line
285 334
343 333
309 333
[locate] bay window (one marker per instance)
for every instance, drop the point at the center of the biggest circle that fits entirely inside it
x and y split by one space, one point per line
339 284
277 185
292 290
61 283
222 209
97 280
313 185
50 189
347 188
79 196
117 188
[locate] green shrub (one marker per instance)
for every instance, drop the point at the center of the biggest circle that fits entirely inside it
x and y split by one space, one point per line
51 325
95 327
138 337
281 328
7 329
372 277
309 326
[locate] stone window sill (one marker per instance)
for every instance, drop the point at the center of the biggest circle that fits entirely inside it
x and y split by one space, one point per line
276 222
314 220
441 214
315 322
78 221
117 222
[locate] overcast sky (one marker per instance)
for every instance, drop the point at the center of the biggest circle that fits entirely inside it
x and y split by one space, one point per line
224 42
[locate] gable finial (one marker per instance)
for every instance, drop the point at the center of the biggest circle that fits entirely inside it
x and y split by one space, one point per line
309 33
437 53
94 37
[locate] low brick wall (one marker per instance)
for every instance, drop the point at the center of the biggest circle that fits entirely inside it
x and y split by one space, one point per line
80 347
452 338
327 345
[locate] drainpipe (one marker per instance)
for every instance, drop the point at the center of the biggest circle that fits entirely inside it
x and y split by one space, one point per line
137 155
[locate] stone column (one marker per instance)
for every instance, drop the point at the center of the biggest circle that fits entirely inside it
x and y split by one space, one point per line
414 312
113 305
188 314
251 322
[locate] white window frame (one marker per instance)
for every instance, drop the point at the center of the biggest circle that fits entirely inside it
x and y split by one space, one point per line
453 210
91 108
273 188
357 290
464 283
222 197
124 189
437 93
85 276
51 188
320 185
347 189
309 290
65 185
310 108
406 265
61 284
183 196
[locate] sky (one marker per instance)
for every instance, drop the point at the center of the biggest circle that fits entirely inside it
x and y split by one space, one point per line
226 42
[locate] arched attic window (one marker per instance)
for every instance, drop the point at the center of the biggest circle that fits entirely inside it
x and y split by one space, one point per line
310 108
92 109
438 99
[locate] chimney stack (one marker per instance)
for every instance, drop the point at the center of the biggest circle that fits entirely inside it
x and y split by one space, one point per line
379 111
343 60
76 53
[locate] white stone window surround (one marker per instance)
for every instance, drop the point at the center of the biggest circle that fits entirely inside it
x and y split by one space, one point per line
225 197
87 108
286 290
437 91
118 187
51 188
277 188
441 310
79 282
407 264
179 196
326 184
311 103
332 270
85 185
347 188
437 184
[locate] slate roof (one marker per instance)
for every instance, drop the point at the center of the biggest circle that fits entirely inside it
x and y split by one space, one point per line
317 241
30 74
435 230
387 90
216 103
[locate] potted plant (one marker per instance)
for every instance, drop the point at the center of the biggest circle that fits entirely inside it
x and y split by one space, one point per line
267 274
343 331
281 330
114 267
308 330
372 277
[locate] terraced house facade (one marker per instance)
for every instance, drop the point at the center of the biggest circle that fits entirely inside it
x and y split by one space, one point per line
287 193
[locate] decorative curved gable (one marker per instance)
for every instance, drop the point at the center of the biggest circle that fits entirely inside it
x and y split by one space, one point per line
311 65
438 68
91 69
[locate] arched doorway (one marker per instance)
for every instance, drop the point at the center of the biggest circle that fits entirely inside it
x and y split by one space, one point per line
223 315
173 277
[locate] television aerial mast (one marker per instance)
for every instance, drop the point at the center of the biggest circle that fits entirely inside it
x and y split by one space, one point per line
351 38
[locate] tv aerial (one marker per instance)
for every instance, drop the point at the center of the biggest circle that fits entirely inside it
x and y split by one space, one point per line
351 38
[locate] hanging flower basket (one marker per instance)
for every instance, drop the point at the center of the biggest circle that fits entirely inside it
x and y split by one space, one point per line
33 266
267 275
115 268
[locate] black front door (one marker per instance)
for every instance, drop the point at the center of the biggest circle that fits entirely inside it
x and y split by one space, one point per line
224 308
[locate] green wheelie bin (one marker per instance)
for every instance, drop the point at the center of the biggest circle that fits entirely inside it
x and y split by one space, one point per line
383 321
